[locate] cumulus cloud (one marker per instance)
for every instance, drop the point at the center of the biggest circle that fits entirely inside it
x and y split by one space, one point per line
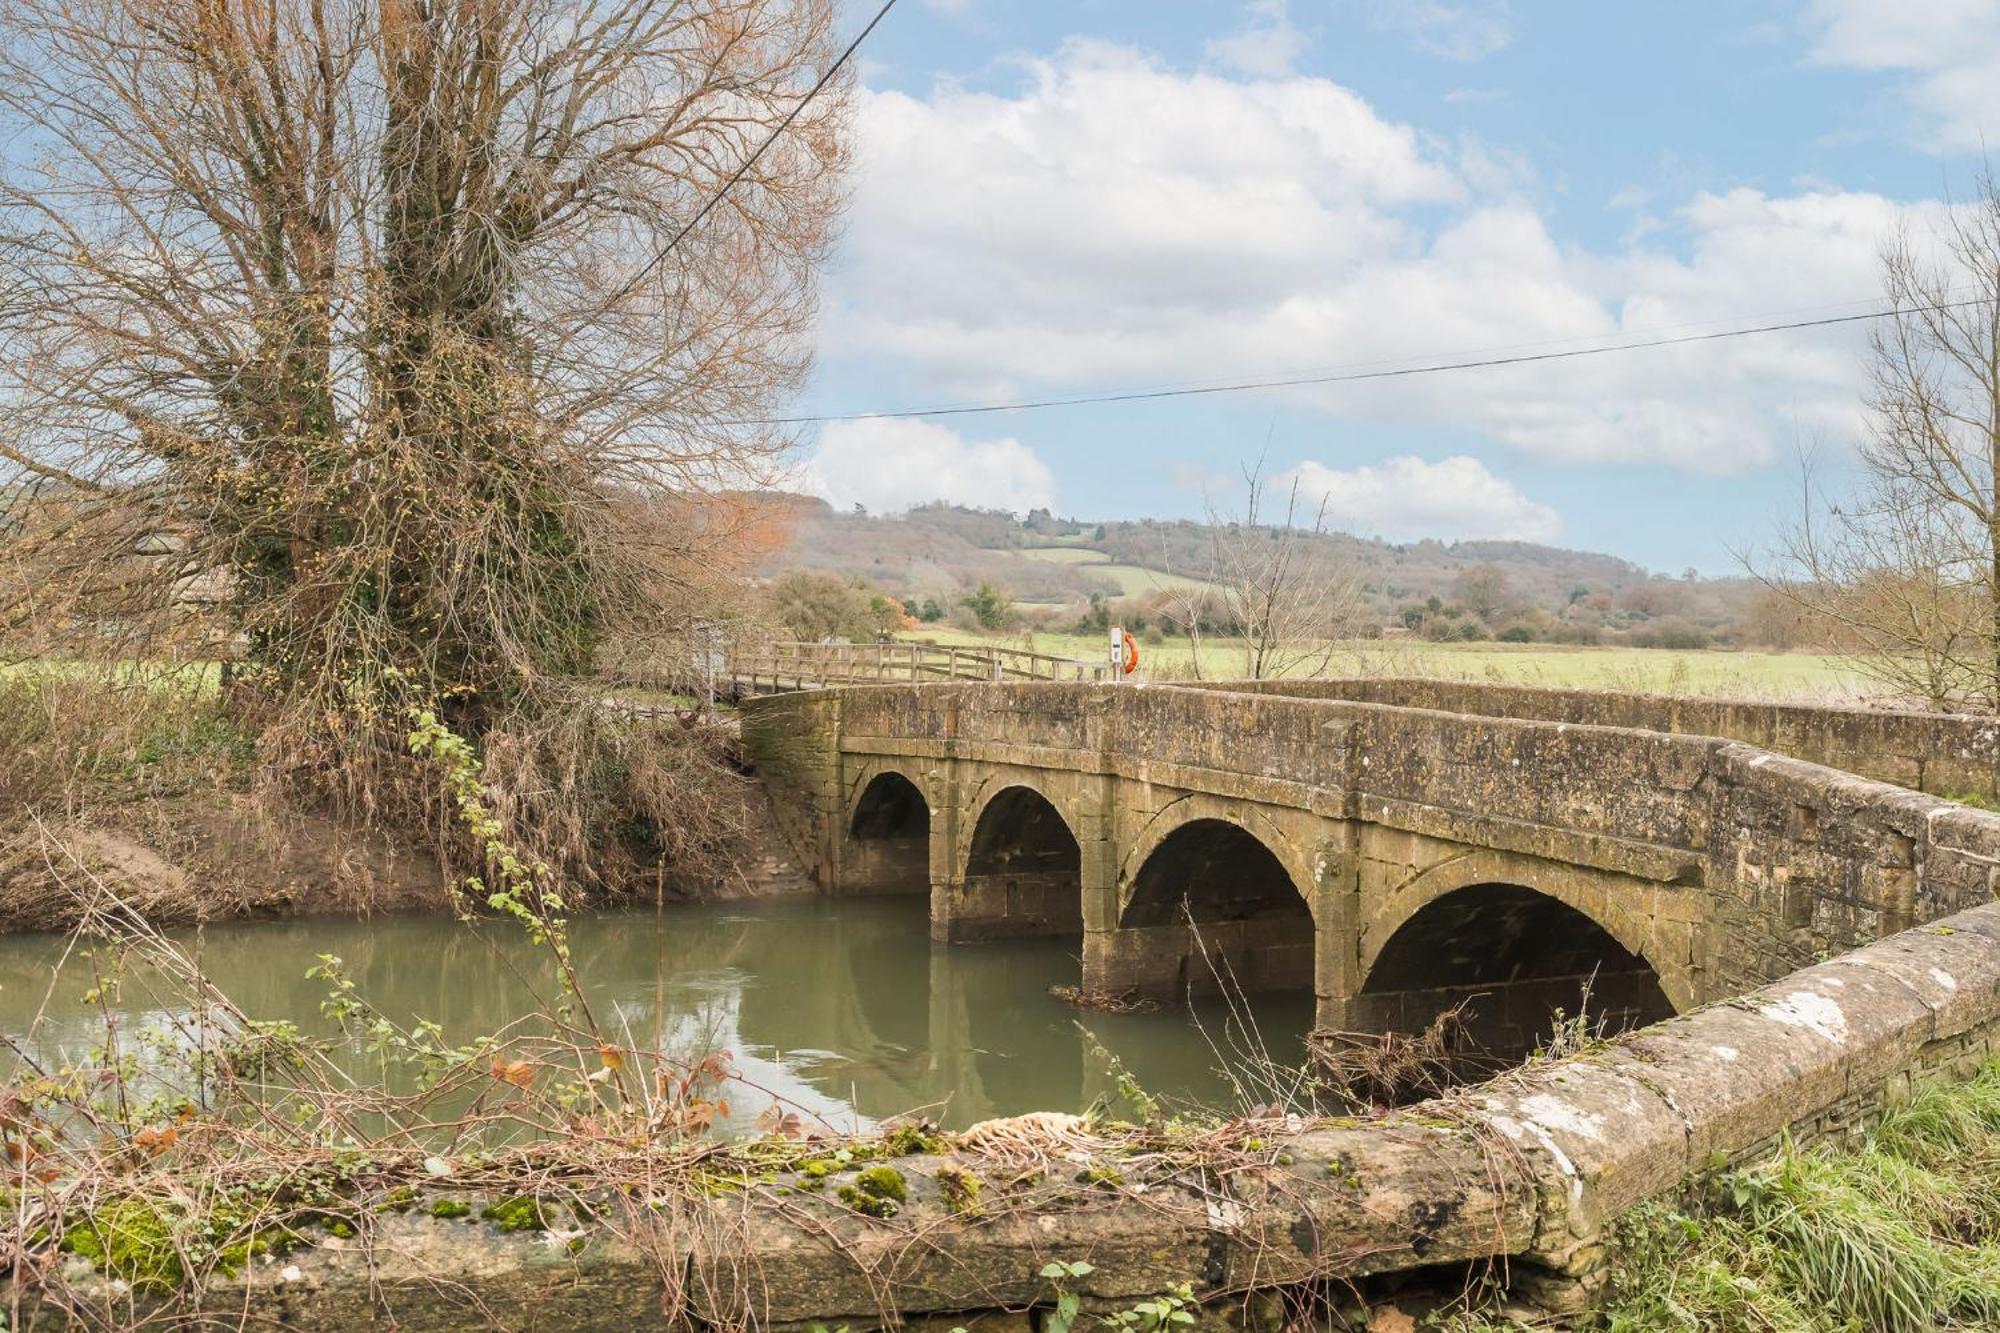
1407 498
1114 222
1948 51
892 465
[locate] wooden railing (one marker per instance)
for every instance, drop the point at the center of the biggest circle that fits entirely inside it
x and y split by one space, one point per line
782 667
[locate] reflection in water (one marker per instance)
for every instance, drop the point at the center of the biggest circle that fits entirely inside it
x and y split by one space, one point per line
845 1009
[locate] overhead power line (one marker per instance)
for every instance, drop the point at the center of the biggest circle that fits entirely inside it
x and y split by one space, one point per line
660 255
1342 377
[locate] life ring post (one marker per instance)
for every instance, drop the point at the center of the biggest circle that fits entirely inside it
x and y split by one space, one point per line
1124 653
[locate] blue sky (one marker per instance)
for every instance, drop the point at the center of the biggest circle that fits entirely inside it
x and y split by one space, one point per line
1063 198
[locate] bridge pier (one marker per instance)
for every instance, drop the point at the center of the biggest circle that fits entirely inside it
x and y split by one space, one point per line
888 844
1013 860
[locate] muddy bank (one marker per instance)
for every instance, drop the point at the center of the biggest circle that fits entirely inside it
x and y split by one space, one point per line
218 856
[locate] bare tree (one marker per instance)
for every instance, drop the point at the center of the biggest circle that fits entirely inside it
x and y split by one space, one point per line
365 312
1274 587
1907 568
1484 590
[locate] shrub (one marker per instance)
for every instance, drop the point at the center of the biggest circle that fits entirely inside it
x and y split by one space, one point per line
814 607
1670 632
992 607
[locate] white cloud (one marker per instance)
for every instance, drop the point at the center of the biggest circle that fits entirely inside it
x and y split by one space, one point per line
1462 32
1406 498
1948 50
891 464
1266 45
1116 223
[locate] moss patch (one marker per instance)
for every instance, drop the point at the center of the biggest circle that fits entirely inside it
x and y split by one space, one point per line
912 1141
880 1191
132 1239
150 1243
519 1213
961 1190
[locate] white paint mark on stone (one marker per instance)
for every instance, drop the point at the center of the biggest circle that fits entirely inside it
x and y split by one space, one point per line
1815 1013
1729 1053
1514 1129
1559 1114
292 1273
1944 978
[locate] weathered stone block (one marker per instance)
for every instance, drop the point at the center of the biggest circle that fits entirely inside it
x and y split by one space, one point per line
1347 1202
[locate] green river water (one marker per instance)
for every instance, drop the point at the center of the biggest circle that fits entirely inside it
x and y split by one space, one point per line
844 1009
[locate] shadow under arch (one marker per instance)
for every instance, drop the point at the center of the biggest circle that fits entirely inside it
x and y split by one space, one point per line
1514 956
1023 872
1213 908
889 838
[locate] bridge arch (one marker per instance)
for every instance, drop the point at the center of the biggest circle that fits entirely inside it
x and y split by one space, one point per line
1269 828
1515 941
888 835
1210 905
1023 869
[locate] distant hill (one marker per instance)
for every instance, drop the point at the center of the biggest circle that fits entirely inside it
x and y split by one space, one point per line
1054 566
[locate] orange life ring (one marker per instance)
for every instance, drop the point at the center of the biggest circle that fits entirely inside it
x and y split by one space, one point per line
1131 654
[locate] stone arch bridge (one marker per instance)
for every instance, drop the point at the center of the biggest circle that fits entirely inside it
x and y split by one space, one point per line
1395 846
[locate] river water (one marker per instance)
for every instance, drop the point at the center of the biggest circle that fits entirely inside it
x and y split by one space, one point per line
844 1009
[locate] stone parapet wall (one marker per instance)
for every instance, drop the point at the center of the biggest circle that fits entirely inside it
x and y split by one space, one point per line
1818 1055
1946 754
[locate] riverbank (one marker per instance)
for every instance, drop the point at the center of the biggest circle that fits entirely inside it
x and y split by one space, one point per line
145 784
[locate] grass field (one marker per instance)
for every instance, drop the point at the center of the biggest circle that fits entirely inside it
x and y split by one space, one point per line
203 675
1711 674
1132 580
1067 555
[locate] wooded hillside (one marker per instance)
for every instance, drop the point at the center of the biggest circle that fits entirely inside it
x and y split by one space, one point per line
1056 571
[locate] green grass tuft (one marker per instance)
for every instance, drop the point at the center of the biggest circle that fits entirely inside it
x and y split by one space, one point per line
1899 1235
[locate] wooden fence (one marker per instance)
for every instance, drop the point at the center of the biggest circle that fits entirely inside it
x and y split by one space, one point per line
782 667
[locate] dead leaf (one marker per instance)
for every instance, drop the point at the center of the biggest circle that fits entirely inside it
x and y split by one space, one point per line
520 1073
155 1141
